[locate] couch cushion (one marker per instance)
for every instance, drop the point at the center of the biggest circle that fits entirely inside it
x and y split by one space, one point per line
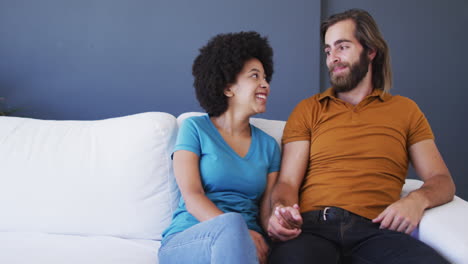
22 248
106 177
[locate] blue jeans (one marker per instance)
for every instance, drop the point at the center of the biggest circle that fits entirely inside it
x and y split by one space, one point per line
343 237
223 239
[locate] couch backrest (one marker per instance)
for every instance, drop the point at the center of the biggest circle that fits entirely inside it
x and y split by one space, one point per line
273 127
106 177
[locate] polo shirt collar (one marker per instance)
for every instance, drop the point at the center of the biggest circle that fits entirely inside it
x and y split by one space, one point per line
330 92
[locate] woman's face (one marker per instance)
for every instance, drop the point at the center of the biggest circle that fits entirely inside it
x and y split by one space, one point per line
250 91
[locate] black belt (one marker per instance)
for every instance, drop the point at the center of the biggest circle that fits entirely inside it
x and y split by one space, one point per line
329 214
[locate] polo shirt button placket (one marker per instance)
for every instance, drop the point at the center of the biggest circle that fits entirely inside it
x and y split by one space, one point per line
354 114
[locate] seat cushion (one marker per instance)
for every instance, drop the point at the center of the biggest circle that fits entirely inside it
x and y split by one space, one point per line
18 247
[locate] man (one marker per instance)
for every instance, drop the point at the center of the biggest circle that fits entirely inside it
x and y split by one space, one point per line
345 158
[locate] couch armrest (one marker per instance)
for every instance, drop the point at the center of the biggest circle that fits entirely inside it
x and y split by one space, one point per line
443 227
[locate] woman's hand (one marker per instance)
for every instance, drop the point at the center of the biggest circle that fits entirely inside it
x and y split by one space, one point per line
261 245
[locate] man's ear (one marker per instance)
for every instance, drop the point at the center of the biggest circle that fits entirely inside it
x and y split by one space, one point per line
371 53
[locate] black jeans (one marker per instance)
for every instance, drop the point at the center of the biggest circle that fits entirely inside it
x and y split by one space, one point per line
339 236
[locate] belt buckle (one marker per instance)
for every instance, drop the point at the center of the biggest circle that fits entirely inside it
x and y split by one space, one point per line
324 214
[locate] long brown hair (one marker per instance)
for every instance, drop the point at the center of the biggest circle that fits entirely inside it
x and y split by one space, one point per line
368 34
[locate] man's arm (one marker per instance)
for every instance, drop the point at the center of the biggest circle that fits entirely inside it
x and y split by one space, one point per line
438 188
285 219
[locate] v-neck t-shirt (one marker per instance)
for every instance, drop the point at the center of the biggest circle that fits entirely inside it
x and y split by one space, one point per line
233 183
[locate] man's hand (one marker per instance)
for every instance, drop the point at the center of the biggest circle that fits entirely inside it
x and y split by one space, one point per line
289 217
285 223
403 215
261 245
438 188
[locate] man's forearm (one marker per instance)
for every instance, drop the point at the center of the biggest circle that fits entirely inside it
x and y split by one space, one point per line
284 195
435 191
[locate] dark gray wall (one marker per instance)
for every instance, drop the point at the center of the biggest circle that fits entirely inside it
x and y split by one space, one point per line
427 43
94 59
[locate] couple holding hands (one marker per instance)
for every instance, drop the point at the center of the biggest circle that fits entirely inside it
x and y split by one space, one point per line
333 194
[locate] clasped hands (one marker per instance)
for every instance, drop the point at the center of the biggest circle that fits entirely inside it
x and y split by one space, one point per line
285 223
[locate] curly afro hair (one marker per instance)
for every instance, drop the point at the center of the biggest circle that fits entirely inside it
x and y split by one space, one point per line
219 63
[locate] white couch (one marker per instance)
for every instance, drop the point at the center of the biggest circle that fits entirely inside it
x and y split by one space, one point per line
103 191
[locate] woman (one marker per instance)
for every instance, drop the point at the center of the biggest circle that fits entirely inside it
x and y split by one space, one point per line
225 167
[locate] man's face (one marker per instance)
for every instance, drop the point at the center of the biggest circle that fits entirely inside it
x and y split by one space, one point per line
347 61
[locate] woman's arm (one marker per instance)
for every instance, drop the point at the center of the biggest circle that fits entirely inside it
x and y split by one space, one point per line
187 174
265 204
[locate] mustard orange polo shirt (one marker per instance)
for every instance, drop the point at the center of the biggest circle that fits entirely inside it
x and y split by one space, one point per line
359 154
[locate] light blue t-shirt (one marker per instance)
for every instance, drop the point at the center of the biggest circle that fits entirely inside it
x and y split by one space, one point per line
231 182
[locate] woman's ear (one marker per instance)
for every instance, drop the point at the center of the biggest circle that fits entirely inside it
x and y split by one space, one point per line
228 92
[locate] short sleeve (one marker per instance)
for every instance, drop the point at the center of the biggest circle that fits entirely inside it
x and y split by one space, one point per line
188 137
276 159
298 126
419 128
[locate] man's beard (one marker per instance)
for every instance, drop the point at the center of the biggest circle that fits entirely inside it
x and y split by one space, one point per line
357 72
